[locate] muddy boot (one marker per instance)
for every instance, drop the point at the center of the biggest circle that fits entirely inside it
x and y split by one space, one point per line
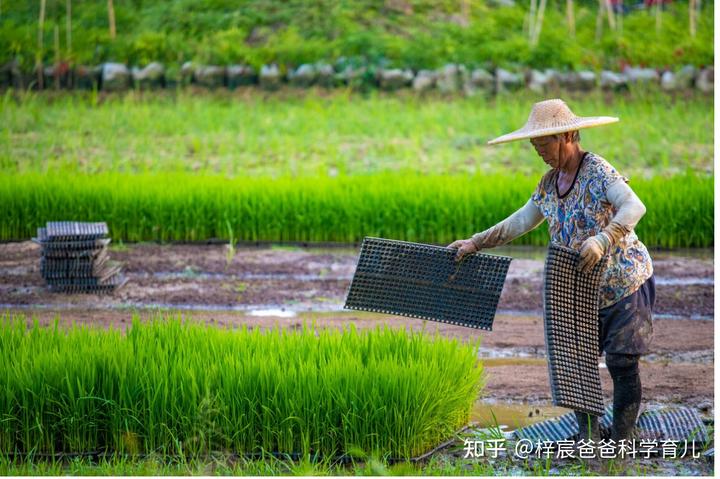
588 426
588 430
627 395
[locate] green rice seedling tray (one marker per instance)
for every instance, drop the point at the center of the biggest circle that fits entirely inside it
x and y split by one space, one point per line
424 281
54 254
57 247
294 456
104 276
98 257
571 301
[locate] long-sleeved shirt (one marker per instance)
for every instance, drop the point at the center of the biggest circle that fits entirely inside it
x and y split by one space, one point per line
584 211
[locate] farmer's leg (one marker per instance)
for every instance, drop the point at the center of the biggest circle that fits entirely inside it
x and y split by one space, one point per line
627 393
589 428
626 331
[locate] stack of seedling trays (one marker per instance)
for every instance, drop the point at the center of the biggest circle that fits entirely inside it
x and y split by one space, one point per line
75 258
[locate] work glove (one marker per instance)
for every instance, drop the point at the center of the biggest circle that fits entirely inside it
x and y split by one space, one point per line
595 247
464 247
629 211
591 251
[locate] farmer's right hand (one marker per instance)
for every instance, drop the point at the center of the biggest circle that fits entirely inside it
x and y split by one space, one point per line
464 246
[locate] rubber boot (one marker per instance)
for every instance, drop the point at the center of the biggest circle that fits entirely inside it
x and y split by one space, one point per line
627 394
588 426
588 430
626 404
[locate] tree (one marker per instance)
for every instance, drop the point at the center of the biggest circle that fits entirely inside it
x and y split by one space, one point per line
536 23
111 19
39 52
570 15
692 12
68 27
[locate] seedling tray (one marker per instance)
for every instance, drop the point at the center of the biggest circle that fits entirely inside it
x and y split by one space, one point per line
571 331
424 281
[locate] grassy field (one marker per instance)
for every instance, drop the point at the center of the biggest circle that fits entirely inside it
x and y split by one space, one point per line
244 134
180 388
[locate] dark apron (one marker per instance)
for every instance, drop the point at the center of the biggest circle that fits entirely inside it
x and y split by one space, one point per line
626 326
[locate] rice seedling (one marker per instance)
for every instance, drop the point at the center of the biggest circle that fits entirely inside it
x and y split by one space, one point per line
174 387
230 247
430 209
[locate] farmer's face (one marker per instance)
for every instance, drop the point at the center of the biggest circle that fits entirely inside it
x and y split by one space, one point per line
548 147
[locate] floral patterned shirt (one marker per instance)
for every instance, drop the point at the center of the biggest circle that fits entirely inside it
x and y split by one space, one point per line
585 211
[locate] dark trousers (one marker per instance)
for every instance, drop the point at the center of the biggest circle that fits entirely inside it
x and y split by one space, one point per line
627 396
625 333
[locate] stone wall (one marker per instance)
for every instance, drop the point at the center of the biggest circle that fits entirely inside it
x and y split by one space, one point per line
450 79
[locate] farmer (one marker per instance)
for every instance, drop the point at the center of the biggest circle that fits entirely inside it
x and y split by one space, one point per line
590 208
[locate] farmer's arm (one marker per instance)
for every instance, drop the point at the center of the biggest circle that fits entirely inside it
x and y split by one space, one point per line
517 224
629 210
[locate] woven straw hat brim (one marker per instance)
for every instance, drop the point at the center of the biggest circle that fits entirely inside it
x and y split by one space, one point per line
577 124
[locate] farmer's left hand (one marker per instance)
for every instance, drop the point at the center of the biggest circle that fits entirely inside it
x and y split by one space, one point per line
464 247
591 251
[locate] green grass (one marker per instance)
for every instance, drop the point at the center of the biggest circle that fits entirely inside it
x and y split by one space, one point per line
313 134
175 387
430 209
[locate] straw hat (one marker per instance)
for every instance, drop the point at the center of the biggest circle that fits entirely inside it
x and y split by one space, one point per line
550 117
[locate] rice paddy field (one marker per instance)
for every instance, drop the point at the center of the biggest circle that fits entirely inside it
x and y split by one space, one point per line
131 384
330 168
436 209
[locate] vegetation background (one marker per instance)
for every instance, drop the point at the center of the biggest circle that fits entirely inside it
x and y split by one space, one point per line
404 33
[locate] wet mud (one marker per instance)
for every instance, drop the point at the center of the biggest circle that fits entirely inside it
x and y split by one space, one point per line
192 275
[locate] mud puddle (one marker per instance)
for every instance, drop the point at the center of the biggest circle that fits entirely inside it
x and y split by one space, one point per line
509 417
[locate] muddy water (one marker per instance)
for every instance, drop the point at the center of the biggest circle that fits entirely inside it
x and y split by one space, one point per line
510 416
489 413
512 361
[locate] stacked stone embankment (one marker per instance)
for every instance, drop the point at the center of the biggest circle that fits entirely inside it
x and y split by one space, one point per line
449 79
